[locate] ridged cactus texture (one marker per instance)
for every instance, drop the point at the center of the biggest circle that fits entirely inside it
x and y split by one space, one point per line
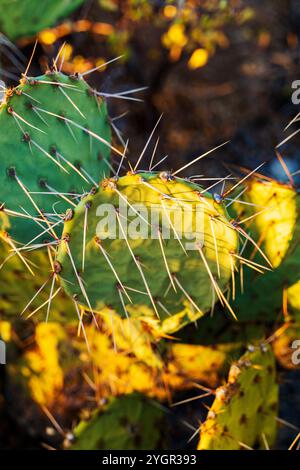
171 286
54 145
20 18
243 414
130 422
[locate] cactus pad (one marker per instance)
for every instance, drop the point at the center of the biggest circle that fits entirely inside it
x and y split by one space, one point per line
244 410
277 211
174 286
130 422
55 138
276 228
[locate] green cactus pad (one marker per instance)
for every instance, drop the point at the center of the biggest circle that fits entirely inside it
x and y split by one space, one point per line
55 138
244 410
20 18
153 267
130 422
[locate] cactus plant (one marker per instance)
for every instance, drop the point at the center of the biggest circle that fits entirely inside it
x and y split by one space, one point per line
286 346
167 253
27 17
46 364
244 410
158 371
130 422
275 228
45 121
42 370
172 286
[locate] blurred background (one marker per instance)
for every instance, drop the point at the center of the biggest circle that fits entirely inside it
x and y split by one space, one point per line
217 70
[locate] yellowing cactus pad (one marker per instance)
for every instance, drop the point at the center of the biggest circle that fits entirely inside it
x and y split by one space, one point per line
149 240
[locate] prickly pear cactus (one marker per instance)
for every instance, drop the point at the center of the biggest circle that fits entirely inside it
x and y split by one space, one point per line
46 365
286 346
273 212
130 422
174 280
275 225
54 145
244 410
26 17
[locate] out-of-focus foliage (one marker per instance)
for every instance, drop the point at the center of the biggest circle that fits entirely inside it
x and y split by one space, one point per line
188 30
26 17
